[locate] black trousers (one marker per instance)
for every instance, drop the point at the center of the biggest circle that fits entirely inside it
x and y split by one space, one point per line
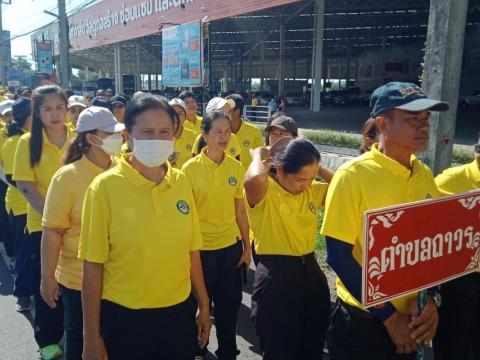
223 281
290 307
459 327
72 322
48 322
356 334
149 334
5 232
22 283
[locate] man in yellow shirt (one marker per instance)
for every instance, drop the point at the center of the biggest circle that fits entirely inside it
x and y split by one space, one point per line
458 332
248 135
184 138
389 174
193 120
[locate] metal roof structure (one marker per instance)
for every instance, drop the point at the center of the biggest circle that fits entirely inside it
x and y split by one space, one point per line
350 26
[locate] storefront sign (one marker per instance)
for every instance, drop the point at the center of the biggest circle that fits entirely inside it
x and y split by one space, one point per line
415 246
44 56
112 21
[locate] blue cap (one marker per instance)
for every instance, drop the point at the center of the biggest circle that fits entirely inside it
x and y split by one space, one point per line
403 96
21 108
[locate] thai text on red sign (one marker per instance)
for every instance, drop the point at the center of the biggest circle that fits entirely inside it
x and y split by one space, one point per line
415 246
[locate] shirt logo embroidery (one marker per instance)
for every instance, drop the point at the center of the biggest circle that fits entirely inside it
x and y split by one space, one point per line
189 147
246 143
429 196
233 151
312 207
183 207
233 181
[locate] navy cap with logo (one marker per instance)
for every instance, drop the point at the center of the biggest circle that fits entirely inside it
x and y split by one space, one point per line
403 96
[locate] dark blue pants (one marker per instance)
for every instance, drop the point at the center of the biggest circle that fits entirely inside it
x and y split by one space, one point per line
5 233
223 281
458 335
22 284
48 322
149 334
290 307
72 322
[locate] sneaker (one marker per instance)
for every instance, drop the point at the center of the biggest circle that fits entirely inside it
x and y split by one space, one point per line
50 352
23 304
199 357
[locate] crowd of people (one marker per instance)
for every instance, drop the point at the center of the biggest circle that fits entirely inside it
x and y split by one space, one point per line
133 223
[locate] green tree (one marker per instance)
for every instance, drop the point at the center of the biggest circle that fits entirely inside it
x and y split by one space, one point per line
21 62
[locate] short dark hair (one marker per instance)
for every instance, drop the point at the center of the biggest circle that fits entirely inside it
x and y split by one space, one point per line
298 153
239 103
146 102
186 94
207 123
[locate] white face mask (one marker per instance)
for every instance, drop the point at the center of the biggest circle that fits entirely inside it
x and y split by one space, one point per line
152 153
112 144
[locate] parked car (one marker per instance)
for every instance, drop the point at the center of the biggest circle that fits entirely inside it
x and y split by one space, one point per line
470 101
295 99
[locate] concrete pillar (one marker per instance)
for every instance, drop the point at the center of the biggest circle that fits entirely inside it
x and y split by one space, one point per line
137 68
86 73
441 80
317 56
117 62
262 64
281 59
348 75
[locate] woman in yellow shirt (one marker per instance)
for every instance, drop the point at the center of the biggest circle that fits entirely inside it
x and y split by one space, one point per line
140 242
98 138
38 156
16 203
184 138
217 182
290 300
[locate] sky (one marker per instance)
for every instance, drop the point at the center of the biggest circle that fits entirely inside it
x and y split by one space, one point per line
23 16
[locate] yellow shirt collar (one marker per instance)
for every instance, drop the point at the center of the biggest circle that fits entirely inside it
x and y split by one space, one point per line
206 160
394 166
93 168
138 179
66 144
474 171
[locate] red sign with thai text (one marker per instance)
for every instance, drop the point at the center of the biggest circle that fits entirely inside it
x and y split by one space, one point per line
411 247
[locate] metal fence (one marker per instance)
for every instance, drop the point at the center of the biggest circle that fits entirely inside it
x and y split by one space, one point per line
258 113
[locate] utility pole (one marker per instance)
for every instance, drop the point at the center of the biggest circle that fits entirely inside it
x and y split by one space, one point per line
64 72
64 57
443 67
2 45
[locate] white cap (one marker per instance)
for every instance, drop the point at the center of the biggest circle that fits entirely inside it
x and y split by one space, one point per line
76 100
178 102
6 106
98 118
217 103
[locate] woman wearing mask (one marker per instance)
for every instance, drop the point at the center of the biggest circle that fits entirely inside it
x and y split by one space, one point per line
38 156
224 226
140 242
16 203
290 300
91 152
184 138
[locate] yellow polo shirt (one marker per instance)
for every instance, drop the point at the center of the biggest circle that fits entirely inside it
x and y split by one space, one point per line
196 128
249 137
215 188
459 179
371 181
286 224
233 147
41 174
143 234
183 147
63 210
14 200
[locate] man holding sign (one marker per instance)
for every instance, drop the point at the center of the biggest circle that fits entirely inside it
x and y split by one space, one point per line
459 331
389 174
